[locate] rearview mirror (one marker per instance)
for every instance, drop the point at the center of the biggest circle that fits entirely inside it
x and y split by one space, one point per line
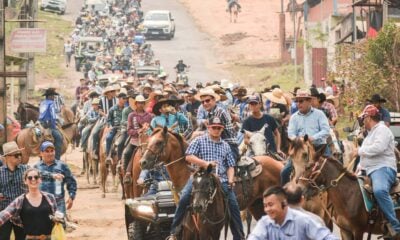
347 129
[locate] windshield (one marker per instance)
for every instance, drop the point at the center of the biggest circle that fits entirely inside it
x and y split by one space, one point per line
157 17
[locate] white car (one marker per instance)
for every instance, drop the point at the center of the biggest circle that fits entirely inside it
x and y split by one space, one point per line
159 23
54 6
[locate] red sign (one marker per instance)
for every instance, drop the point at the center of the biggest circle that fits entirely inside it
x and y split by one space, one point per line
28 40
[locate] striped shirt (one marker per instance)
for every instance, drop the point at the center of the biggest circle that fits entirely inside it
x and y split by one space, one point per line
208 150
11 184
229 133
107 104
14 209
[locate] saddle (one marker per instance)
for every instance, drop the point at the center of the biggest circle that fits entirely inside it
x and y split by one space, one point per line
247 168
367 192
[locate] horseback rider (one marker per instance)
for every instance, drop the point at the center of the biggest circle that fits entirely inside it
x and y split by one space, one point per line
378 159
211 109
166 114
377 101
106 102
211 149
114 121
257 120
48 119
306 121
92 116
138 123
319 102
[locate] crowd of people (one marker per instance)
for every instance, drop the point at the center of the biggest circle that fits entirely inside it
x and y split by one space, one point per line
214 116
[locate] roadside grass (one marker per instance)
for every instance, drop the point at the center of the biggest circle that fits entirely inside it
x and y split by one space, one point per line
49 65
260 75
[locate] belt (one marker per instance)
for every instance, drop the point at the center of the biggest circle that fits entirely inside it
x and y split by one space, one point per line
38 237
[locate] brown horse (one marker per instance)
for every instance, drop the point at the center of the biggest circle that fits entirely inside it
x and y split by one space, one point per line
209 206
30 139
105 168
168 148
27 112
90 164
133 189
329 175
301 151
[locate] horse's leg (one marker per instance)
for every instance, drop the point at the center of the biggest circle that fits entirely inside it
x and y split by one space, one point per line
103 178
236 16
257 208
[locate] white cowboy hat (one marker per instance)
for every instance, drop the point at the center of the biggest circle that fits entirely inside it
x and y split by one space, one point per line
108 89
226 84
334 99
11 147
96 101
147 85
138 98
276 96
207 92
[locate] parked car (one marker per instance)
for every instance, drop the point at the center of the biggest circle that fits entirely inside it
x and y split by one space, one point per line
159 23
143 71
150 217
58 6
87 50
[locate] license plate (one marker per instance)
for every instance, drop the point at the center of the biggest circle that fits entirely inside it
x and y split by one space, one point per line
155 33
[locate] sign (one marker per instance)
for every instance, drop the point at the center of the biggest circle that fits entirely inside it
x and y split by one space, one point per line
28 40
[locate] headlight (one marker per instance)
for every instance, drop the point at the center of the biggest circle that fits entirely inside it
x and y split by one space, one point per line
145 209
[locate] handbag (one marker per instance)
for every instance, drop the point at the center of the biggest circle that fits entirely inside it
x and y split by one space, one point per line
58 232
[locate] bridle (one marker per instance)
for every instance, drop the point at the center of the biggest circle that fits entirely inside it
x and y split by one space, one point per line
211 193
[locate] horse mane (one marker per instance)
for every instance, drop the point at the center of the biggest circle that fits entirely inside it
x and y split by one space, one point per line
297 144
341 168
176 135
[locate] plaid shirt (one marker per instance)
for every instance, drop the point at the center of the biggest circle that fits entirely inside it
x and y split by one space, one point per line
229 133
11 184
14 209
208 150
48 183
330 108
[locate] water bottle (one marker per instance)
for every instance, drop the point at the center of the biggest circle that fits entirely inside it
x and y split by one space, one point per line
58 187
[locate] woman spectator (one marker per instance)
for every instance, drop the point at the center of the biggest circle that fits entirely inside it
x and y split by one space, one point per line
32 210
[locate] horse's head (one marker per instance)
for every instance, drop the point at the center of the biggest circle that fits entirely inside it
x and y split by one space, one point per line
205 185
302 154
257 142
156 148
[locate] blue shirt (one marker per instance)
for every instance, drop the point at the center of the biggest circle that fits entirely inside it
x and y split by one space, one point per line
296 226
385 115
314 123
47 113
11 184
48 183
208 150
161 121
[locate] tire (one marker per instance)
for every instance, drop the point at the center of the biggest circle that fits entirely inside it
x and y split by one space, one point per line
128 222
138 231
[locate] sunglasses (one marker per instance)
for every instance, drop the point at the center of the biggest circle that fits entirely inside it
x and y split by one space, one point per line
30 178
216 128
300 101
206 101
17 155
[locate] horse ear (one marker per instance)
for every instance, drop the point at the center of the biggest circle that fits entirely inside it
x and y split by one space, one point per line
209 168
248 133
262 130
165 130
305 138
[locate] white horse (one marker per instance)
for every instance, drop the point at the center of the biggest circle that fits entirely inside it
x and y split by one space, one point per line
257 143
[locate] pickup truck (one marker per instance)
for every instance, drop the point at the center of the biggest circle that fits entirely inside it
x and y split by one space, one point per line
159 23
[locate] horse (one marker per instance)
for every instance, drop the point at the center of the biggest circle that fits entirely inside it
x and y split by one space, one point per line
27 112
31 138
209 206
104 168
233 11
168 148
350 215
90 164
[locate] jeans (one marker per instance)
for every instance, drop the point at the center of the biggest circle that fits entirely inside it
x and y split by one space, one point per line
96 132
286 171
184 202
121 143
109 140
58 142
85 135
127 154
5 231
382 181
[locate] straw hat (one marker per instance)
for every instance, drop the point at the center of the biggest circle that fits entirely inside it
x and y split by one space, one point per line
334 100
303 93
108 89
173 100
96 101
10 148
207 92
138 98
276 96
147 85
226 84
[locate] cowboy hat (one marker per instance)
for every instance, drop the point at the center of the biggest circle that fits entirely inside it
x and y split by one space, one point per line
333 99
376 98
138 98
173 100
226 84
303 93
147 85
130 80
369 111
162 75
108 89
207 92
276 96
96 101
50 92
11 147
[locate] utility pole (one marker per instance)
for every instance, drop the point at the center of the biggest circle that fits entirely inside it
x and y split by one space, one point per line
3 87
294 39
282 37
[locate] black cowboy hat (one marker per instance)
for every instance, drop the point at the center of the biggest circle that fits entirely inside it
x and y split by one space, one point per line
172 100
314 92
376 98
50 92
